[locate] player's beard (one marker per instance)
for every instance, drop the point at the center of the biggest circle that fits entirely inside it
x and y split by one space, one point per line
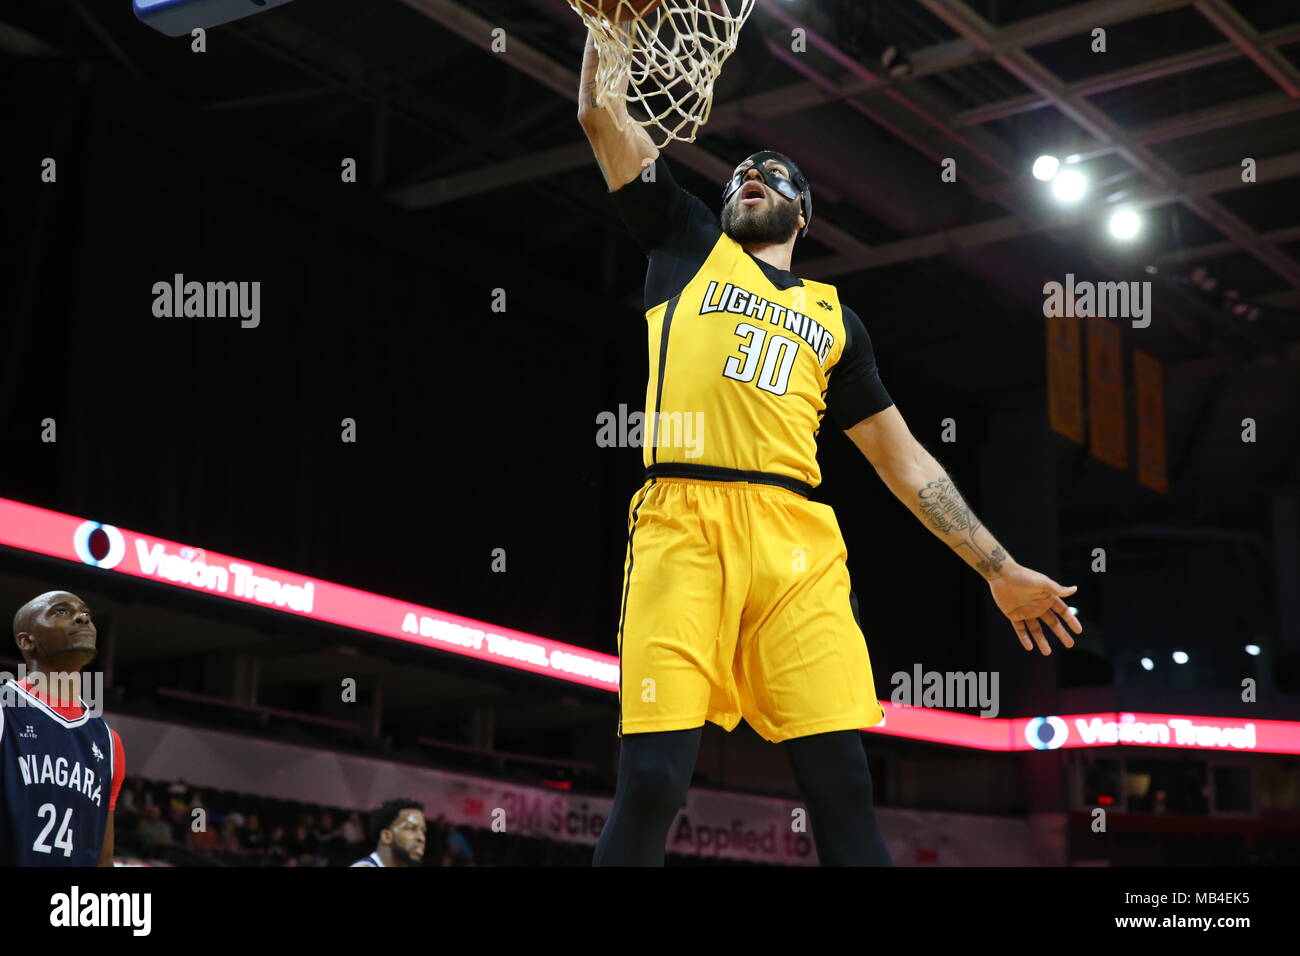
750 224
406 856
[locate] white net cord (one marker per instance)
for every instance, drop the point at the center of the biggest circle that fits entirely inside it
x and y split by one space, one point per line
669 57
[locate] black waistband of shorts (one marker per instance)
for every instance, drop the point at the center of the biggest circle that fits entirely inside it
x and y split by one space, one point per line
713 473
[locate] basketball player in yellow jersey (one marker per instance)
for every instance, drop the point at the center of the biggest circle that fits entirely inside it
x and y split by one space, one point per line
736 599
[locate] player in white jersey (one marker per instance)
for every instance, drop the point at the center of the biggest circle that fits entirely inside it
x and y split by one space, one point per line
399 829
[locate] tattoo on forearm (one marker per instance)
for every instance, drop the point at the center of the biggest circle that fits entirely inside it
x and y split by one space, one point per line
993 563
946 512
944 509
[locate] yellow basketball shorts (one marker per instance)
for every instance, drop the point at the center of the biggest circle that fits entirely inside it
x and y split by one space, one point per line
736 604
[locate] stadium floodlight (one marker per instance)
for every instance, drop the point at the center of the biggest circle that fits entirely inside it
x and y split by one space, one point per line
1045 167
1069 185
1252 650
1180 657
1125 224
1148 664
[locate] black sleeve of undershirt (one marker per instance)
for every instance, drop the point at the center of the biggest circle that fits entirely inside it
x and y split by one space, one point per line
673 227
855 391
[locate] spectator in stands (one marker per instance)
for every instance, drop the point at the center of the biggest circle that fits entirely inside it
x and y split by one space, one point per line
196 803
131 804
205 840
154 831
326 834
230 837
254 836
179 817
352 831
310 820
458 848
399 830
275 844
133 799
178 794
299 842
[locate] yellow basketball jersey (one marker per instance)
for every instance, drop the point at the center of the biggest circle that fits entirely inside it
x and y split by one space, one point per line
739 369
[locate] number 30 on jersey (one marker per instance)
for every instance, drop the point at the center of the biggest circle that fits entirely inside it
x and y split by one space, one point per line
776 360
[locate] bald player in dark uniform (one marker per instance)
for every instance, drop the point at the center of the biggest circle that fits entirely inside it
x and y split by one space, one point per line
736 599
61 768
400 832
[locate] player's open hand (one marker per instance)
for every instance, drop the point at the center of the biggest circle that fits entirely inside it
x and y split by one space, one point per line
1031 601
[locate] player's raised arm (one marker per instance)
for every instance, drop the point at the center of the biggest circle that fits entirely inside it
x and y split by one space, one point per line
916 478
621 153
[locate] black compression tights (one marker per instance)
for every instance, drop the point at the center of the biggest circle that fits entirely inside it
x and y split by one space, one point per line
654 772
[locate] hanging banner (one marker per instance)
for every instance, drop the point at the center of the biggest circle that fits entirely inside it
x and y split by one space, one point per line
1065 377
1108 436
1149 392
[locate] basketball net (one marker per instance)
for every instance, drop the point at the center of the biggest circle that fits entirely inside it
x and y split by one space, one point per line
670 58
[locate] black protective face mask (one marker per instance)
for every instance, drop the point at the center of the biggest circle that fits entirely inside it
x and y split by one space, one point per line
795 187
